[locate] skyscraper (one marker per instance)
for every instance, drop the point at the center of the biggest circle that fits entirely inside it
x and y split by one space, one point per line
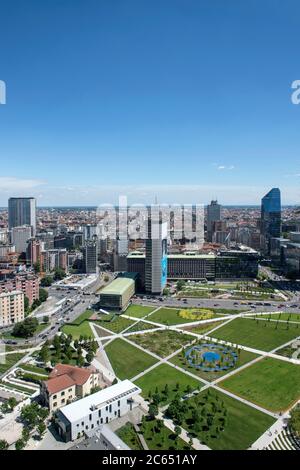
270 217
22 211
213 215
156 254
90 257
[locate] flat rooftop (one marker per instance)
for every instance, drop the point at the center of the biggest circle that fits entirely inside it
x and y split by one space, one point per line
80 408
117 287
177 256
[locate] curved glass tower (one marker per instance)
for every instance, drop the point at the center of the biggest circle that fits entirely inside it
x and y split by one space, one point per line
271 216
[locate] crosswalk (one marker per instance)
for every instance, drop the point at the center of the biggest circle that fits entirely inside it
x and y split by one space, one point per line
285 440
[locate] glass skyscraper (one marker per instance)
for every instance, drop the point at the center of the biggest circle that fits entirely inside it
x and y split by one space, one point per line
271 216
22 211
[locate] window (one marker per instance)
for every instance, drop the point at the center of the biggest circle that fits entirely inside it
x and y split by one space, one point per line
54 396
55 405
90 417
82 423
62 394
63 401
99 413
86 427
110 408
119 403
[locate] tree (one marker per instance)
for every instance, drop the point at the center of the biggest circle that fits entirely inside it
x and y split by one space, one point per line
294 420
12 403
37 267
44 354
3 444
25 329
177 431
59 274
43 295
80 360
47 281
153 411
89 357
41 428
26 306
20 444
45 319
180 284
25 434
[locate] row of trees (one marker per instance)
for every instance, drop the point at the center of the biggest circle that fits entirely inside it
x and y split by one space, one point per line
64 349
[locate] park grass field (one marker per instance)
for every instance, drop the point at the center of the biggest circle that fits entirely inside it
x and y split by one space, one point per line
259 334
129 435
9 360
138 311
203 328
82 329
141 326
170 316
243 427
164 374
284 316
181 361
270 383
163 439
117 325
126 360
162 342
82 317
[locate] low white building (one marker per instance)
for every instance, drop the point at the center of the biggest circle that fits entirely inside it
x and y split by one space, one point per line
90 413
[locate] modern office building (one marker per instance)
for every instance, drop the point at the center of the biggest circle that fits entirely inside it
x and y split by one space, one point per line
230 264
20 237
11 308
270 217
213 215
156 255
88 414
22 211
90 257
118 293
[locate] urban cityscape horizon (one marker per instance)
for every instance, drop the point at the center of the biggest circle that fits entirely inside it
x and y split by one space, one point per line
149 230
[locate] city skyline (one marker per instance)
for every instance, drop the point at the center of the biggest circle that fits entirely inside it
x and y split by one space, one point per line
190 104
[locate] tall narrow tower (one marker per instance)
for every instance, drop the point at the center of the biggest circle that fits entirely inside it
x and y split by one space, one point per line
156 252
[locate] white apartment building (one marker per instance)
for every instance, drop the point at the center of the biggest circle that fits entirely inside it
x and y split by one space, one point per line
11 308
87 415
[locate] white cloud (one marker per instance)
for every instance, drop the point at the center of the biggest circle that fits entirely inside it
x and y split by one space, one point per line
10 183
224 167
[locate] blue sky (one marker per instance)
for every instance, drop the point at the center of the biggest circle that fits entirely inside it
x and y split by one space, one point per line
186 99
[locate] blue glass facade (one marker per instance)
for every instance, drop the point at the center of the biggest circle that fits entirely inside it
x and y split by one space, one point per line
271 215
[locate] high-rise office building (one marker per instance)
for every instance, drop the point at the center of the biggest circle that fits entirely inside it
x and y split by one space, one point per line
22 211
20 236
270 217
213 215
156 254
90 257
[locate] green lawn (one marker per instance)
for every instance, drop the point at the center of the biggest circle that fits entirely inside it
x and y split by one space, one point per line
10 360
164 374
162 440
203 328
117 325
162 342
138 311
243 358
243 427
285 316
270 383
128 435
83 329
82 317
141 326
262 335
34 369
126 360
